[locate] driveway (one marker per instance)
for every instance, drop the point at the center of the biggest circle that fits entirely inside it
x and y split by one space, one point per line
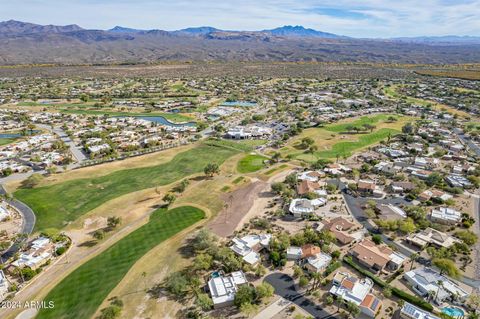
286 288
354 205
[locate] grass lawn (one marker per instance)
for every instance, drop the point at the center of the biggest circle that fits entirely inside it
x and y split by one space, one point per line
393 93
56 205
5 141
332 140
342 127
273 170
345 149
251 163
80 294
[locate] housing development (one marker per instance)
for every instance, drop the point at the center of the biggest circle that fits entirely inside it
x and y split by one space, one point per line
239 197
293 159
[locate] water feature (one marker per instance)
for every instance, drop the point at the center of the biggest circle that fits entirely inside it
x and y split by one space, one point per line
453 312
163 121
10 135
239 103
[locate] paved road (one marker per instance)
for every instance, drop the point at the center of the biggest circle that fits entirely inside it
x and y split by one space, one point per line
76 151
354 205
286 288
28 222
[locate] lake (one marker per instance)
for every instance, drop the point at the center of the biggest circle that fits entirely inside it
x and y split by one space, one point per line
239 103
163 121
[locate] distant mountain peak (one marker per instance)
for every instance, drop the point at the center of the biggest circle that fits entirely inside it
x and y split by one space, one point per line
121 29
198 30
300 31
19 27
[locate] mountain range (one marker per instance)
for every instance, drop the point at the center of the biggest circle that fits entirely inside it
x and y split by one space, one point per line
28 43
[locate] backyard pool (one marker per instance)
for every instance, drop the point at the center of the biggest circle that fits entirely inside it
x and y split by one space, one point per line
453 312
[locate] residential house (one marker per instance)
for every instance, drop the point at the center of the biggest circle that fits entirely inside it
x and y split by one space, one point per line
458 181
409 311
368 188
3 285
401 187
40 251
352 289
311 176
305 187
425 281
433 237
317 262
344 231
376 257
337 169
248 247
365 187
4 213
446 216
302 207
433 194
294 253
222 288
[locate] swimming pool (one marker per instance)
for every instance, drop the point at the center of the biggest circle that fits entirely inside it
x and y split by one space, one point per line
453 312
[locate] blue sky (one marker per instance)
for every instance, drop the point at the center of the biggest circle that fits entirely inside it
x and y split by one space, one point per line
367 18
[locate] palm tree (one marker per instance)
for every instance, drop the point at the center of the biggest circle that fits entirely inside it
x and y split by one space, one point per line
339 302
413 258
317 277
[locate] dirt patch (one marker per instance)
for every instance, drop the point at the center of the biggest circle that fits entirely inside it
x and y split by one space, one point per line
238 204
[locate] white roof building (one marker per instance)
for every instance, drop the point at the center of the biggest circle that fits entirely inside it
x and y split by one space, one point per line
294 253
445 215
223 288
357 291
412 312
301 207
4 214
248 247
424 280
311 176
40 242
3 285
318 262
98 148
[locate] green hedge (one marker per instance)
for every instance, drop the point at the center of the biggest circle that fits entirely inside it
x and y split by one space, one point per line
397 292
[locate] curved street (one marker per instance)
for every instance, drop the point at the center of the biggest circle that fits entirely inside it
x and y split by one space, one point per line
28 223
285 287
